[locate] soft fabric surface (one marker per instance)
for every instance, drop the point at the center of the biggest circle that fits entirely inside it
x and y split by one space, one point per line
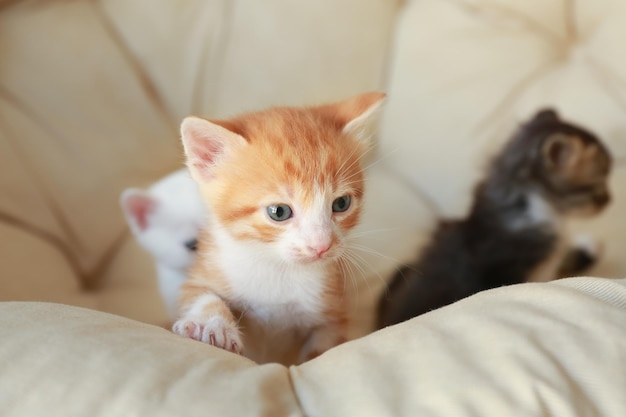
527 350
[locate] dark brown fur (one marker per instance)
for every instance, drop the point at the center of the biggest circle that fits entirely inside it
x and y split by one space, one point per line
548 171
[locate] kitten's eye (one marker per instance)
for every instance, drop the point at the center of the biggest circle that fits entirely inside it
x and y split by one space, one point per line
192 244
341 204
279 212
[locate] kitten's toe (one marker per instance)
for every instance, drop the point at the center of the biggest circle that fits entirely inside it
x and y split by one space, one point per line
187 328
217 331
220 332
583 255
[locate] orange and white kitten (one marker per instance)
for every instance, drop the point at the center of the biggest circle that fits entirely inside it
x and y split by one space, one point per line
285 187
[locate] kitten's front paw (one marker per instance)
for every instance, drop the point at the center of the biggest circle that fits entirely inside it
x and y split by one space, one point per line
217 331
588 245
584 254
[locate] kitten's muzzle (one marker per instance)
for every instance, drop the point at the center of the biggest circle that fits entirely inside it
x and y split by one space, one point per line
319 248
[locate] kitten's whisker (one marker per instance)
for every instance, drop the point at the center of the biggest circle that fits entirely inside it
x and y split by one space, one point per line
374 252
342 167
361 270
355 268
355 149
355 235
371 164
382 157
348 185
410 267
344 274
346 179
349 274
359 262
350 263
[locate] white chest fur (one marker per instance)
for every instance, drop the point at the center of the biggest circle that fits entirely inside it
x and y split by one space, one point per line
541 213
538 213
273 292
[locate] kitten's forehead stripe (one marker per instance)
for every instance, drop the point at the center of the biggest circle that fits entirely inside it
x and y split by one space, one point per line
262 232
240 212
290 168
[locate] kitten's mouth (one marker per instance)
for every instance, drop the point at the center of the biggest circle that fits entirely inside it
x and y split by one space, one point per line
313 258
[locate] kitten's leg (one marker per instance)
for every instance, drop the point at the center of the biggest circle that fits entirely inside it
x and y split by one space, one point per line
583 255
333 329
207 318
323 338
331 333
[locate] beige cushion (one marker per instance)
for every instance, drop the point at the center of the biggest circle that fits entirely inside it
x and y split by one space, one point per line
66 361
465 74
551 349
527 350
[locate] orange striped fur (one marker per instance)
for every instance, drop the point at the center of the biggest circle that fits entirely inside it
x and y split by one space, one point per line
260 284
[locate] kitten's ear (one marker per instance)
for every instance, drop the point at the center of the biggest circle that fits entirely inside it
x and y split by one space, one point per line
562 152
137 205
547 114
206 143
359 115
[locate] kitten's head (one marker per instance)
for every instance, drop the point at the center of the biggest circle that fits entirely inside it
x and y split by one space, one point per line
166 219
571 164
286 179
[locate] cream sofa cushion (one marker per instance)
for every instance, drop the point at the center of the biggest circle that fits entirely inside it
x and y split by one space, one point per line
551 349
465 73
87 363
526 350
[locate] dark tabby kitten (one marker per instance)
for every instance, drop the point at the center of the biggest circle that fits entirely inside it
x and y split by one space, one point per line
548 171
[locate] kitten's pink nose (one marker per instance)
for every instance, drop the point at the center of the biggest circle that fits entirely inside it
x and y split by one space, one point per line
320 248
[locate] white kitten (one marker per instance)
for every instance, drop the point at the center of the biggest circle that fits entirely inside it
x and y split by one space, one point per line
165 219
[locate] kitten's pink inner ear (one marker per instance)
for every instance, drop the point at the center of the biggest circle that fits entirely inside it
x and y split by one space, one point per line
205 144
139 206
